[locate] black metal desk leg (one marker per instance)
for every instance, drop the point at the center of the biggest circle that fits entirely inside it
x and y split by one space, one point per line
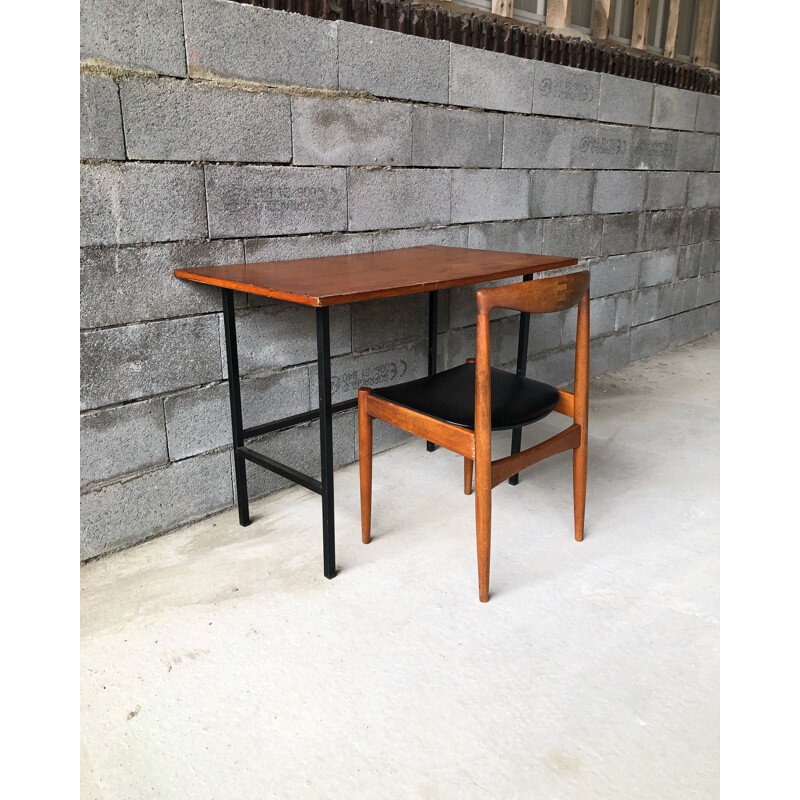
229 319
433 330
326 439
522 368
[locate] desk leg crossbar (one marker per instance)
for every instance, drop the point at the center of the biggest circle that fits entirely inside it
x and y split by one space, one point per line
241 454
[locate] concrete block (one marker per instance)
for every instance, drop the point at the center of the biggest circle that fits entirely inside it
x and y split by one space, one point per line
125 513
709 260
658 266
565 91
622 233
708 289
693 226
650 338
129 33
703 190
646 305
389 198
695 151
119 364
559 193
278 335
126 439
665 190
524 236
616 192
463 308
602 316
169 120
675 109
622 319
101 119
403 362
269 201
575 237
609 352
127 203
408 315
480 195
597 146
446 137
707 113
198 420
677 297
716 155
258 44
533 142
452 236
503 340
349 132
688 326
625 100
689 261
299 447
653 149
482 79
286 248
615 274
661 229
133 284
386 436
390 64
711 228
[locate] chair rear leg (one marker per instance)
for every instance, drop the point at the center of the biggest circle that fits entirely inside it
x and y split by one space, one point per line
483 525
467 475
365 464
579 465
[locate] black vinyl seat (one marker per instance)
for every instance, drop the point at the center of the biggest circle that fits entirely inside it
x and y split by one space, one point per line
450 396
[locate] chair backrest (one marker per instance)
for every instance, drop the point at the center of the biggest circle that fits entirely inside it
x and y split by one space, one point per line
539 297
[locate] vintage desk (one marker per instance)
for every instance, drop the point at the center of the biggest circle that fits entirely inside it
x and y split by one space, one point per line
323 282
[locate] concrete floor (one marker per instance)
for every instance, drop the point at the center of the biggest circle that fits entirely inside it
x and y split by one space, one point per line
217 662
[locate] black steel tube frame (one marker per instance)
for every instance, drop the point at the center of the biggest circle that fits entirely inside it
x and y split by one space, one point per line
433 329
522 368
323 413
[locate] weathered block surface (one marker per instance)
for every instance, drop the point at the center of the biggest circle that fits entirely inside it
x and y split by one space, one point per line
169 120
565 91
696 151
665 190
122 440
537 142
350 132
524 236
575 237
675 109
559 193
653 149
397 198
703 190
617 191
284 248
453 236
707 113
496 81
133 34
126 203
134 284
661 229
597 146
615 274
689 261
390 64
101 119
625 100
198 420
409 313
119 364
267 201
258 44
125 513
659 266
445 137
489 194
621 234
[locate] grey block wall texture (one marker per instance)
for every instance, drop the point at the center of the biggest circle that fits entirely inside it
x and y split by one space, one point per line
217 133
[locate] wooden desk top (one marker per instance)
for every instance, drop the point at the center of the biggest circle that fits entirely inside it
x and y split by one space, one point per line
366 276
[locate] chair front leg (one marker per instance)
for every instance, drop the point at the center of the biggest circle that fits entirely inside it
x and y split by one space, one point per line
365 464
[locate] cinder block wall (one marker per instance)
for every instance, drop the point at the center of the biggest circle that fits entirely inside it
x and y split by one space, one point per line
214 132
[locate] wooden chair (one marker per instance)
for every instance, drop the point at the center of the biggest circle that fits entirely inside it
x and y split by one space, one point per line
460 407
